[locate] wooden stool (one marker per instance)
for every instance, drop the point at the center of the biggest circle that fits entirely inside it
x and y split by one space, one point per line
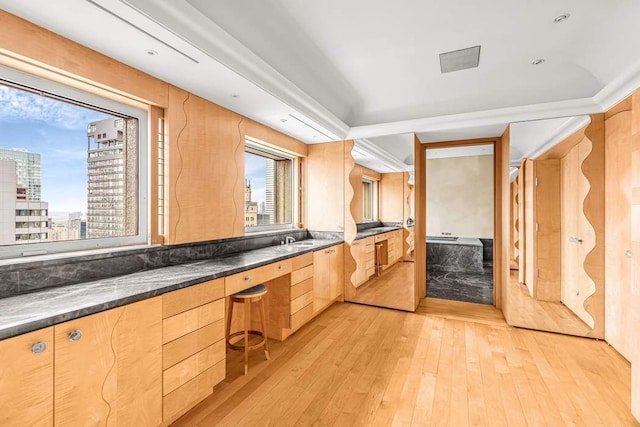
246 297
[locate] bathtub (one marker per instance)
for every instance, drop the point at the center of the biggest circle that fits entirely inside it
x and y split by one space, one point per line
456 254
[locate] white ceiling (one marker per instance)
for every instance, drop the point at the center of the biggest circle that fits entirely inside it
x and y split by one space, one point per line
364 69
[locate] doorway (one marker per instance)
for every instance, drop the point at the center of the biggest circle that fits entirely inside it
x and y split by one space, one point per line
460 223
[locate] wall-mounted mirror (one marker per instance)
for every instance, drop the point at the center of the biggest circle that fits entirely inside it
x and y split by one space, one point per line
557 224
382 209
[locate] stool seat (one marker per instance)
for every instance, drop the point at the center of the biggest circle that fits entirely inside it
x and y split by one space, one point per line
246 298
254 291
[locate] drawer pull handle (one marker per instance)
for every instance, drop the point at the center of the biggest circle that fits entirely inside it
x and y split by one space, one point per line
355 244
247 278
330 251
281 268
628 253
38 347
75 335
575 240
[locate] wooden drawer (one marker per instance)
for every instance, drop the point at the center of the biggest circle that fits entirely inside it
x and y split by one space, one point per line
300 275
371 272
299 318
301 302
188 345
179 401
369 245
381 237
371 263
301 288
241 281
302 261
191 367
185 299
187 322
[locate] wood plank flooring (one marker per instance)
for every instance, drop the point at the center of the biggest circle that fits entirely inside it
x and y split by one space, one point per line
359 365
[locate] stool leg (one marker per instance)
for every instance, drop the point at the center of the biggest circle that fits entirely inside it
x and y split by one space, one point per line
247 327
264 328
229 316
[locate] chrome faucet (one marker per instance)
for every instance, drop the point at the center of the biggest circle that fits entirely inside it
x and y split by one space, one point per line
289 239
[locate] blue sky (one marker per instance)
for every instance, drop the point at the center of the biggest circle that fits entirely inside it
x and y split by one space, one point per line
56 130
255 171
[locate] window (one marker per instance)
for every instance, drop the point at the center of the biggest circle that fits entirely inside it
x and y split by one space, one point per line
367 200
268 195
75 165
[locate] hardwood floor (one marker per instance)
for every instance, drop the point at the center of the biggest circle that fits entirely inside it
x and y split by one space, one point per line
393 289
360 365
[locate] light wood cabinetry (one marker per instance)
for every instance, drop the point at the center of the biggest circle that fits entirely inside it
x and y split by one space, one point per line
108 367
26 379
194 350
363 251
328 276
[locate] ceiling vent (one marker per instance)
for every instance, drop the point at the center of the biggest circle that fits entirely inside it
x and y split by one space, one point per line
460 59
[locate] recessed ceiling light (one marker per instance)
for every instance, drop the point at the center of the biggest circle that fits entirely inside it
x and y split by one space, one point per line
283 120
235 95
151 52
538 61
561 18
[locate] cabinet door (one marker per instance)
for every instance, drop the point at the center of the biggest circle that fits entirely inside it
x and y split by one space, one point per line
328 274
26 379
108 367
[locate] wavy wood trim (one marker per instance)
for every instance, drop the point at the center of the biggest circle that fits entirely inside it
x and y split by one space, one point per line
353 184
515 235
593 209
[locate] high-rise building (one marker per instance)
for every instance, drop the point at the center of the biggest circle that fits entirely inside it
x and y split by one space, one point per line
111 199
22 220
27 170
250 207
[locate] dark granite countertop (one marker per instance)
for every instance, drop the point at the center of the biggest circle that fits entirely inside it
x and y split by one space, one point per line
375 231
27 312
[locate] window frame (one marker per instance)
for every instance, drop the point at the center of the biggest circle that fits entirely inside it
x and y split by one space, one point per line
255 147
62 92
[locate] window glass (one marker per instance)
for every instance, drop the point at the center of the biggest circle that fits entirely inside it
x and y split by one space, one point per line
69 171
267 193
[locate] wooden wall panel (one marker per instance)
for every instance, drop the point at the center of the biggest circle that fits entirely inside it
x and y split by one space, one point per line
547 233
355 180
501 217
326 186
634 301
618 265
392 200
33 49
529 225
206 170
420 197
522 247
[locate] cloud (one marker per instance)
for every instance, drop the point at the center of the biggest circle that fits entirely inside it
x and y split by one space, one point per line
18 105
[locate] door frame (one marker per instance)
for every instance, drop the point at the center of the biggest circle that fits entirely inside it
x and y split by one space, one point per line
501 197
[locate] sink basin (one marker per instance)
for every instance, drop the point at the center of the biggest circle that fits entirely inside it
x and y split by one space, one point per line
297 244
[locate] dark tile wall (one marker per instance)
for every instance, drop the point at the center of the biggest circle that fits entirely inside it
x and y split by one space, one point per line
487 250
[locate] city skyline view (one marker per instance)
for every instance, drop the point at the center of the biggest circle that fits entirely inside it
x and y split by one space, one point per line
255 172
58 132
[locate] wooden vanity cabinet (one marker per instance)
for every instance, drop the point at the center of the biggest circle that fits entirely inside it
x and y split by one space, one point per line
194 349
26 379
328 276
108 367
